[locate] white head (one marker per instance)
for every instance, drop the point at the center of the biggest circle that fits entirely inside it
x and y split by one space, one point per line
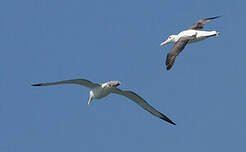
113 83
170 39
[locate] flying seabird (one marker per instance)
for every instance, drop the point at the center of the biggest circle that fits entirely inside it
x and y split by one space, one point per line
193 34
98 91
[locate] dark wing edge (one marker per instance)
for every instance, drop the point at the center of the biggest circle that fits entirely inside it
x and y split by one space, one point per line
177 48
141 102
82 82
200 24
170 60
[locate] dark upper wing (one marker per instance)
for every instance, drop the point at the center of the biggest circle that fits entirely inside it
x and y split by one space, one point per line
141 102
199 24
82 82
177 48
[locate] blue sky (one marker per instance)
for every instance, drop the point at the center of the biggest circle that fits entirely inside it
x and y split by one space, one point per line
51 40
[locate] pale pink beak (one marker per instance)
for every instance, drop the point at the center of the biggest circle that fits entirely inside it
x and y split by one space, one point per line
165 42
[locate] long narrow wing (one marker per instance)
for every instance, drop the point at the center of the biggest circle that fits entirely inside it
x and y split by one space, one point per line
82 82
200 24
177 48
141 102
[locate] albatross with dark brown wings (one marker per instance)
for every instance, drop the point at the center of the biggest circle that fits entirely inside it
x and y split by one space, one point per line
98 91
193 34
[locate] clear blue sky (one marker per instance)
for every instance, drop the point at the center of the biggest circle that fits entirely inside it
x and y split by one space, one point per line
50 40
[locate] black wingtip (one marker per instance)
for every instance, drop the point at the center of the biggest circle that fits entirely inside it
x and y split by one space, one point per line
39 84
215 17
168 67
173 123
168 120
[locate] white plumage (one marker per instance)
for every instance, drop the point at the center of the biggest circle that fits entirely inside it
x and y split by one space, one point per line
98 91
191 35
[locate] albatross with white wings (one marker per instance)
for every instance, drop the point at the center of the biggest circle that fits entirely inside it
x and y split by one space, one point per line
98 91
193 34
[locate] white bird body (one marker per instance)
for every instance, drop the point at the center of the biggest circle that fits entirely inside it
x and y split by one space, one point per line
101 91
200 35
191 35
98 91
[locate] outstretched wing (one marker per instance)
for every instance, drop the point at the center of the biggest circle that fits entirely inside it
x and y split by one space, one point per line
141 102
82 82
177 48
199 24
